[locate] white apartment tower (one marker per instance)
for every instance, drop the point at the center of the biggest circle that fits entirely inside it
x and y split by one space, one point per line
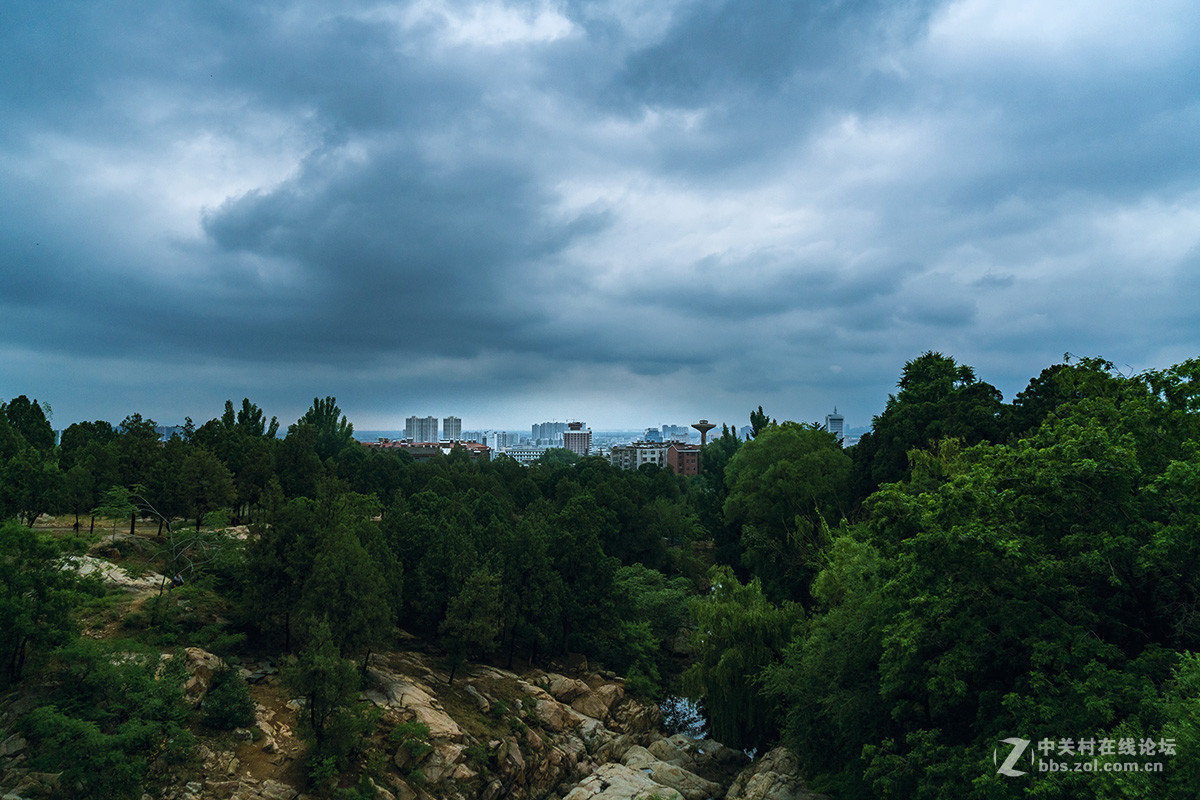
421 429
452 428
577 440
835 423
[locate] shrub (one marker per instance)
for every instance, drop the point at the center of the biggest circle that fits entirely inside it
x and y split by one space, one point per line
228 704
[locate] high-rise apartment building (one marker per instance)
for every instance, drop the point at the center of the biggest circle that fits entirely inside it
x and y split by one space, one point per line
452 428
835 423
676 433
548 433
421 429
577 440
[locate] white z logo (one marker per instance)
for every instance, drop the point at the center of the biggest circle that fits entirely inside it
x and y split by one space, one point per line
1006 768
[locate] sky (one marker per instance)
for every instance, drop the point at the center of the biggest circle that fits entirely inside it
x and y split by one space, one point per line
623 212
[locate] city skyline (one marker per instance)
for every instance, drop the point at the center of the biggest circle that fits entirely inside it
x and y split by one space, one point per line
537 208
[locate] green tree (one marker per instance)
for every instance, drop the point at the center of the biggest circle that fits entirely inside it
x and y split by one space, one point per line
472 619
938 399
785 486
739 633
333 430
207 484
345 589
29 421
36 596
329 684
32 484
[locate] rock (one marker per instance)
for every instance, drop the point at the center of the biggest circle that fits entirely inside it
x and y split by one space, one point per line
619 782
402 790
492 790
689 784
722 755
380 792
509 760
274 790
12 745
112 575
668 750
221 790
441 761
776 776
401 692
480 701
592 705
633 717
554 715
201 666
565 689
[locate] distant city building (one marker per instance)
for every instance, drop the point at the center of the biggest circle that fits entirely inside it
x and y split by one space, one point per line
676 433
683 459
652 435
577 440
525 454
548 433
421 429
501 440
835 423
632 456
452 429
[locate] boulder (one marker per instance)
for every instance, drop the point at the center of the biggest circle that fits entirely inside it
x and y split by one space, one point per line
398 691
687 783
201 666
592 705
274 790
479 700
554 715
776 776
619 782
565 689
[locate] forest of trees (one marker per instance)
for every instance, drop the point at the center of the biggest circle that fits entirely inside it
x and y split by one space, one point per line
971 570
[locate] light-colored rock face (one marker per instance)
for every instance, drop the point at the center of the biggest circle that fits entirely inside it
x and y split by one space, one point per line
112 575
565 689
775 776
619 782
690 785
416 700
201 666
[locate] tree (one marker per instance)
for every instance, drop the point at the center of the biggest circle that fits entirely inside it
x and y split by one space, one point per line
328 683
29 421
207 484
472 619
759 422
332 433
346 590
938 398
36 596
739 634
785 487
32 484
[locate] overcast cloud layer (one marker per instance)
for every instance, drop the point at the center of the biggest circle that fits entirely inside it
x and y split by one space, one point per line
625 212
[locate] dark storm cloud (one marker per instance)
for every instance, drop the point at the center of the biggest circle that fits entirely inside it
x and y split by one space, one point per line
748 202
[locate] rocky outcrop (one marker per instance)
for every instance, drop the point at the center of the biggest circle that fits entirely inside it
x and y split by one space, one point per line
776 776
112 575
619 782
674 776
